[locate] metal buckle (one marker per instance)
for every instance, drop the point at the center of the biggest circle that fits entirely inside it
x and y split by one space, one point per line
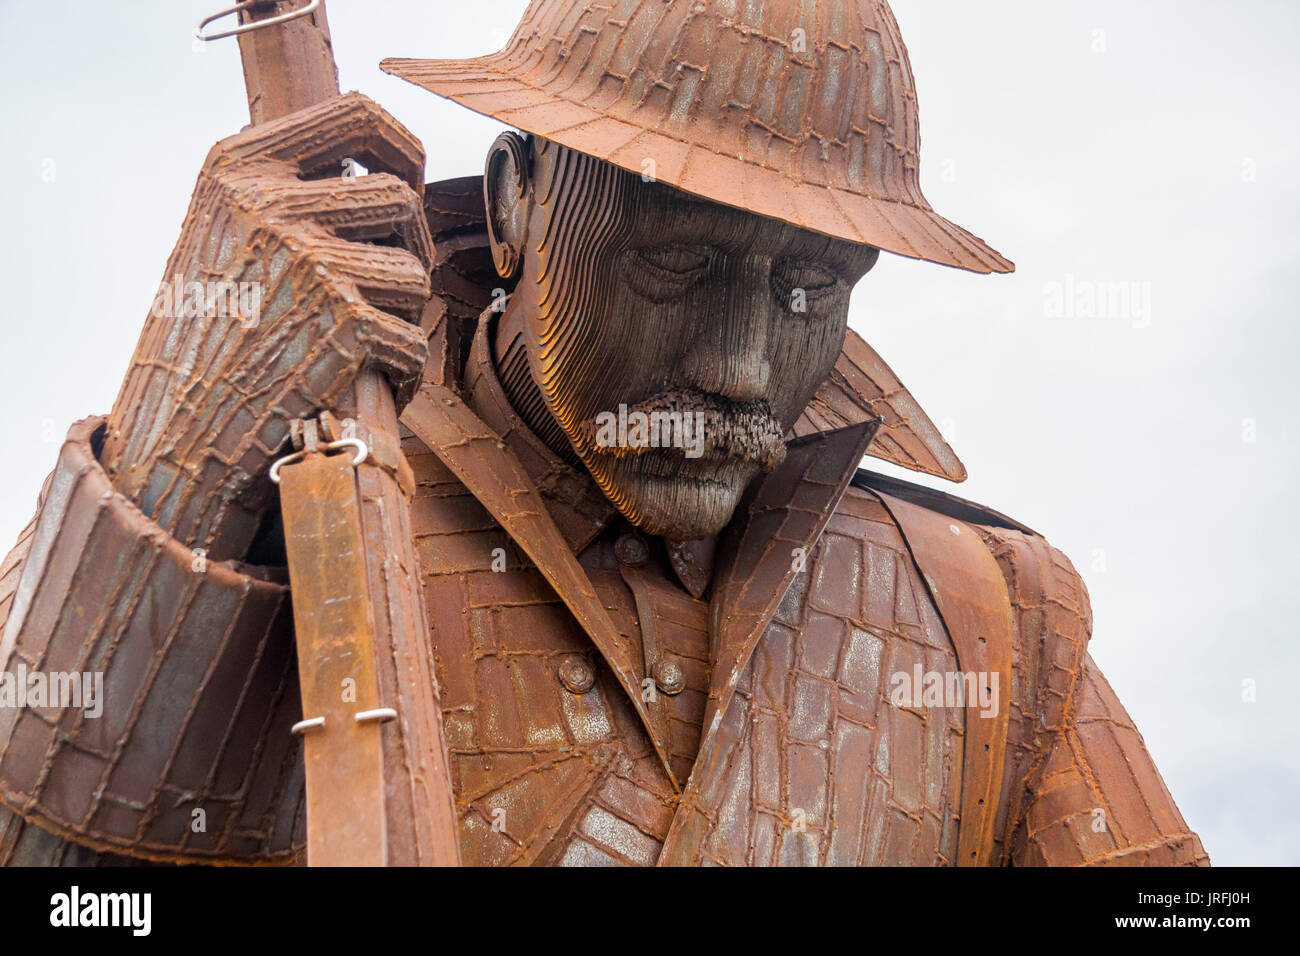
362 453
255 25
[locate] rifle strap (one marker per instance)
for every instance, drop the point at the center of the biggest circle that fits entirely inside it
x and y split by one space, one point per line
333 620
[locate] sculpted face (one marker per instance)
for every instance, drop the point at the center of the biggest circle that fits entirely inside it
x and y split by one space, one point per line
648 313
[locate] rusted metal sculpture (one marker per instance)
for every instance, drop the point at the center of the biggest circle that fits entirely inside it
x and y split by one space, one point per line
618 591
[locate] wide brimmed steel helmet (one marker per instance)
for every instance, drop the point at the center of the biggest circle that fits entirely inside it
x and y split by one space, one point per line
802 112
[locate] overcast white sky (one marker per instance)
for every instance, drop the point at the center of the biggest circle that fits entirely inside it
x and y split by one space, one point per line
1104 141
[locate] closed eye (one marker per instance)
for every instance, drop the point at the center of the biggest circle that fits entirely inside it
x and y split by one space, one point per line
794 281
678 260
665 272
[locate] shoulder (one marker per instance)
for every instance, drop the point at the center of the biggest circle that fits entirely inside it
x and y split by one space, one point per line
1035 572
1027 560
939 502
1051 617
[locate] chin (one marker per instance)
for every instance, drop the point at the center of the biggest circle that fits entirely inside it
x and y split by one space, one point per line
675 498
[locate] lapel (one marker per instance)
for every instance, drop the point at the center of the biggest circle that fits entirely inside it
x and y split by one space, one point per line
862 387
579 509
766 546
768 543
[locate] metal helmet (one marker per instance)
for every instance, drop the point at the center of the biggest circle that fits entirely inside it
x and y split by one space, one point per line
800 112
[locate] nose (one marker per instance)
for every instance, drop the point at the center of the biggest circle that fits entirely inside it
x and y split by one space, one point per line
728 356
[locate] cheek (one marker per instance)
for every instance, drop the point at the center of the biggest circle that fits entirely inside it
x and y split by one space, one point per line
618 347
803 353
640 343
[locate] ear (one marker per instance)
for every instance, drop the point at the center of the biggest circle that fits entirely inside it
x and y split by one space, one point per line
506 182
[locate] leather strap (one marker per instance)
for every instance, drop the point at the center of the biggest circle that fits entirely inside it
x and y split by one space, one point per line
970 593
333 621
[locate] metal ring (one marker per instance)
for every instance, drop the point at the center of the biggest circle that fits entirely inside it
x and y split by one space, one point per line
380 714
303 726
255 25
363 452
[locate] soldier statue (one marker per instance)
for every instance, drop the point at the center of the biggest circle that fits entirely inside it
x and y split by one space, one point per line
519 520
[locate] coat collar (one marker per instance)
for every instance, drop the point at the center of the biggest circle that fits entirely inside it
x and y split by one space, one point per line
768 543
489 468
778 525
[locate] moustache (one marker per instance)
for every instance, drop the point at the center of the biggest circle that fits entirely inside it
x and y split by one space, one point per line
726 429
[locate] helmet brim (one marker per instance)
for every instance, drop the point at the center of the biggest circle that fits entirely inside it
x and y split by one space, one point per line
914 230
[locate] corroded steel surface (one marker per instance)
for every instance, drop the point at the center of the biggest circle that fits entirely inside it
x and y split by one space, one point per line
494 475
884 788
608 692
199 688
970 593
805 113
334 630
862 386
578 777
206 404
288 68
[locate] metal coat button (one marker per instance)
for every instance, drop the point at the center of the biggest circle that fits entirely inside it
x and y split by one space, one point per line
576 674
669 677
631 550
